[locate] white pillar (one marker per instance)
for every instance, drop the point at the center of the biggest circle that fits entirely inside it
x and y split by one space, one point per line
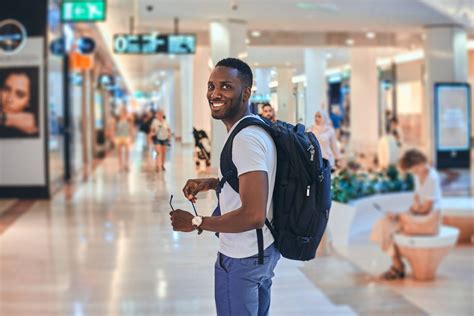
227 40
286 99
314 68
177 105
445 61
364 96
186 70
263 77
202 112
300 95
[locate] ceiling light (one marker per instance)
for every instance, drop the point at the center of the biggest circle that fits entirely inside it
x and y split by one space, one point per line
370 35
328 7
350 41
255 33
162 73
247 41
328 55
256 64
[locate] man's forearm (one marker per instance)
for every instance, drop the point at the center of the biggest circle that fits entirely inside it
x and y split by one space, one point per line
237 221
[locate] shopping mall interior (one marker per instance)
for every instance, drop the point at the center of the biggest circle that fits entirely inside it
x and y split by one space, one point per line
104 117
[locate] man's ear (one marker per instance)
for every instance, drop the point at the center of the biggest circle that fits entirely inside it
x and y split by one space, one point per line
247 94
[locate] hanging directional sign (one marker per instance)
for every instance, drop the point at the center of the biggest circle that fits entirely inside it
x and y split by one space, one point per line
57 47
85 45
154 43
83 10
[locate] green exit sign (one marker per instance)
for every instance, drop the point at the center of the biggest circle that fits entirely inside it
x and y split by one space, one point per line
83 10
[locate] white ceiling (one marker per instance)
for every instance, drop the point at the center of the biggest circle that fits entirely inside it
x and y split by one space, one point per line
402 20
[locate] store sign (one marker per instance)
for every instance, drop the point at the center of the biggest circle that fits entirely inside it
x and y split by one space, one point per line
83 11
154 43
12 36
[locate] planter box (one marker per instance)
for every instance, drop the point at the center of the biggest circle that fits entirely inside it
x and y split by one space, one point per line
358 216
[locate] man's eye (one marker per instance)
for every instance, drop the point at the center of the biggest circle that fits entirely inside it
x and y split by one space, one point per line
226 86
210 87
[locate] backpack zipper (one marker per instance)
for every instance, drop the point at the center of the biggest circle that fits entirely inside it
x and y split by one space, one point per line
311 151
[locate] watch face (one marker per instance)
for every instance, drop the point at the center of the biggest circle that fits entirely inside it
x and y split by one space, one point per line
197 221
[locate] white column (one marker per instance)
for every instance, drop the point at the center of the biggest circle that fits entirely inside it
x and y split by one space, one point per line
202 112
177 105
314 68
263 77
186 70
286 99
300 95
445 61
227 40
364 95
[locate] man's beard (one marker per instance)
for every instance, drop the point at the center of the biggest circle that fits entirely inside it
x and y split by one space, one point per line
233 109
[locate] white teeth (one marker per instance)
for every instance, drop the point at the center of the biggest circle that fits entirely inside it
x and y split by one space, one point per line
217 104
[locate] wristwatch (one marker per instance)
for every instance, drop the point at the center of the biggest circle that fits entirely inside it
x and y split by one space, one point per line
197 221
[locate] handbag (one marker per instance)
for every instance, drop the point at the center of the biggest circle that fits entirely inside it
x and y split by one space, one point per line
428 224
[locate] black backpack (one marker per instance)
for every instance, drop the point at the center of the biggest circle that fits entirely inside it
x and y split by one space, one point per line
302 193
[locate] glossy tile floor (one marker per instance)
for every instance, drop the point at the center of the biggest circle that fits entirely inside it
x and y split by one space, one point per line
107 249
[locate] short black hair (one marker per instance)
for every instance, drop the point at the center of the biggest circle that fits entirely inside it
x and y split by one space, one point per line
266 104
245 72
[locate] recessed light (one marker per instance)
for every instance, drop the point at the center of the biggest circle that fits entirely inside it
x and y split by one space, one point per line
350 41
247 41
255 33
328 7
328 55
256 64
370 35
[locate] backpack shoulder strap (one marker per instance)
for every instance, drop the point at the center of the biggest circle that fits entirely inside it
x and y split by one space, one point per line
228 169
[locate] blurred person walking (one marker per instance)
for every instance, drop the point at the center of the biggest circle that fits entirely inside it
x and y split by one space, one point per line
423 217
123 131
326 136
161 137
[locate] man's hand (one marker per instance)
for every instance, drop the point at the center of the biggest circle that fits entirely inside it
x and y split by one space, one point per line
181 221
24 122
194 186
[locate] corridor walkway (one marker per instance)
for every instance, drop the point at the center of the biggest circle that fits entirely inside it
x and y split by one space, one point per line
108 249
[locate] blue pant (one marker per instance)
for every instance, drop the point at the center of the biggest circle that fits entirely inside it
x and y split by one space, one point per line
242 286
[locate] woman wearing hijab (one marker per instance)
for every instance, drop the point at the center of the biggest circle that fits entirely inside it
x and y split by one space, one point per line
326 136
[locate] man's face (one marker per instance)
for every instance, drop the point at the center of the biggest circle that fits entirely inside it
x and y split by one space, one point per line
15 93
267 112
225 93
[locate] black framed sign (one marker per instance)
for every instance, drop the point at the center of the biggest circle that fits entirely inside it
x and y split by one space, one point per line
452 121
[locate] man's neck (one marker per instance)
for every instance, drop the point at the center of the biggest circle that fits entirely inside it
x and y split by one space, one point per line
230 122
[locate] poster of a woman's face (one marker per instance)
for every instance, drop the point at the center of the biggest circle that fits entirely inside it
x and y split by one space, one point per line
19 102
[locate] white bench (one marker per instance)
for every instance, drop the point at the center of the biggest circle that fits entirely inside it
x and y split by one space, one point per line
424 253
459 212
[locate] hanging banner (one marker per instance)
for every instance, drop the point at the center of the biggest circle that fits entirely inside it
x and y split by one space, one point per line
23 139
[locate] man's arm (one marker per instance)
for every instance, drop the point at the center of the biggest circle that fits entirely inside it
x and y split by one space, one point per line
253 187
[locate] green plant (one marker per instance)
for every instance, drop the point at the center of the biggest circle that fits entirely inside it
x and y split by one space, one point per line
351 185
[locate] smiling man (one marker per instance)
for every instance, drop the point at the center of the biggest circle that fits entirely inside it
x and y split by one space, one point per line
242 286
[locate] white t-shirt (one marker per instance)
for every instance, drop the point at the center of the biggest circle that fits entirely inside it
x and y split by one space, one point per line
430 189
253 150
160 128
